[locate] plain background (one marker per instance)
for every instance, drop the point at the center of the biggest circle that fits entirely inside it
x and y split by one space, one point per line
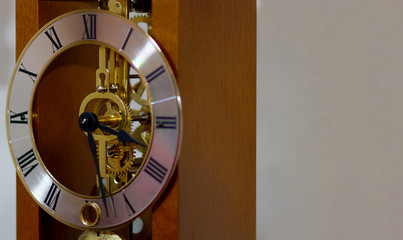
7 171
330 121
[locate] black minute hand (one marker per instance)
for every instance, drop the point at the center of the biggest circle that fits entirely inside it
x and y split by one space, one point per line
88 123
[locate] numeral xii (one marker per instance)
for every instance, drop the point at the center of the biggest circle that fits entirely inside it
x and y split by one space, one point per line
90 26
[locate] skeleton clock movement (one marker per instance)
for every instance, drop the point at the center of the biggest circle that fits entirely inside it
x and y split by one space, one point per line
94 118
95 123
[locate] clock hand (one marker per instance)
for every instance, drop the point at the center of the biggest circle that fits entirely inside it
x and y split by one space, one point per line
88 124
122 135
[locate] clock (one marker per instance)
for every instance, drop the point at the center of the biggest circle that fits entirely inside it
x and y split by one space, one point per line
113 121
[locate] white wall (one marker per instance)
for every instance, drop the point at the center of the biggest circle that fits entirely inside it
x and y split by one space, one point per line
7 172
330 119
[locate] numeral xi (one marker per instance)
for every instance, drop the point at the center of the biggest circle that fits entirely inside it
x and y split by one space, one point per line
52 35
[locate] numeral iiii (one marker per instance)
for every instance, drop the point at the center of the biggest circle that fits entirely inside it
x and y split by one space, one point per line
156 170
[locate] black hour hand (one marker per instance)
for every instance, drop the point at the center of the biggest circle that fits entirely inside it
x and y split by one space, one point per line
122 135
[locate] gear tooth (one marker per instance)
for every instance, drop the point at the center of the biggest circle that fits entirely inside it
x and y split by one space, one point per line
146 18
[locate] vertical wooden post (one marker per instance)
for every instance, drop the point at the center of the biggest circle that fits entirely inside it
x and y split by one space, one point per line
212 48
217 79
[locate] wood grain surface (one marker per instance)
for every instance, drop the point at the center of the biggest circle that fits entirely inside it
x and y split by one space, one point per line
217 79
211 46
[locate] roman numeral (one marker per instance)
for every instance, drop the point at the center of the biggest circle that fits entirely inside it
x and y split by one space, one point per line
90 26
52 197
52 35
129 207
29 73
156 170
127 38
27 162
155 74
19 118
166 122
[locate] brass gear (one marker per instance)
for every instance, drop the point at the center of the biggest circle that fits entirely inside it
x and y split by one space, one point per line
142 133
120 158
136 93
144 18
99 110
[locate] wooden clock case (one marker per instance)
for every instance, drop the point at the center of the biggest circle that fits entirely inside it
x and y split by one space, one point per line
211 46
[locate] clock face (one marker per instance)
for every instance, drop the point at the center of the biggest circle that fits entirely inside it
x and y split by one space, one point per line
99 63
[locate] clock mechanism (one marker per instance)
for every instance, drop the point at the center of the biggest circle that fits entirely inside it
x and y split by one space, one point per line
96 135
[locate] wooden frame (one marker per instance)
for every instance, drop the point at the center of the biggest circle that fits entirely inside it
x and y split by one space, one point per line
212 48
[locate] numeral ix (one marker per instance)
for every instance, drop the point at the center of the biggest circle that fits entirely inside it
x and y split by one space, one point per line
19 118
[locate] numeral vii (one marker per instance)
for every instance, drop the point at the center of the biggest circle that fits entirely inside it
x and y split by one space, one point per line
90 26
52 35
27 162
156 170
19 118
52 197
